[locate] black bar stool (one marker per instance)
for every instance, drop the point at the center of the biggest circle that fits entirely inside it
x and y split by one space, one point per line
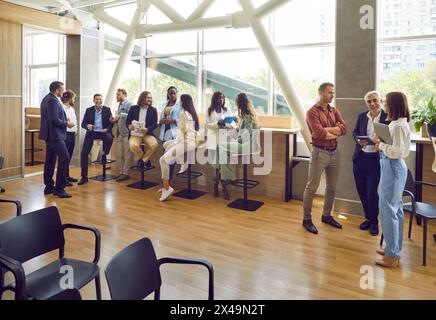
245 203
32 148
142 184
104 176
190 193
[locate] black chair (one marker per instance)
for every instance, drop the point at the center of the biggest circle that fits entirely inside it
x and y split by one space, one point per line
142 184
189 193
33 234
133 273
421 210
245 203
17 271
104 176
17 204
2 160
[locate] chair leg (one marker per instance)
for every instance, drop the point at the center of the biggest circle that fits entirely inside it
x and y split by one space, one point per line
410 224
381 239
424 242
98 287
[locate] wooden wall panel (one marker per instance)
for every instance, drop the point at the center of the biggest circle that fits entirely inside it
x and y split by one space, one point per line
10 136
10 97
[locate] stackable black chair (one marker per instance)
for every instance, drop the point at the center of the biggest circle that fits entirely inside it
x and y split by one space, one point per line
189 193
17 205
142 184
133 273
2 160
422 210
33 234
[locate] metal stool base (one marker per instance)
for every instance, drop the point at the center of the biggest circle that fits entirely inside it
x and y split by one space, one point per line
142 185
189 194
247 205
103 178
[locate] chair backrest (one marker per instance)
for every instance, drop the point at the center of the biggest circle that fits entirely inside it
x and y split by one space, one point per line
133 273
30 235
410 184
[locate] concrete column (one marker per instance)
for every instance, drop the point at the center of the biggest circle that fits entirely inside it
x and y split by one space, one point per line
83 76
356 63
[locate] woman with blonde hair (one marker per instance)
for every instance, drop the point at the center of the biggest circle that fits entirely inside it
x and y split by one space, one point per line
248 127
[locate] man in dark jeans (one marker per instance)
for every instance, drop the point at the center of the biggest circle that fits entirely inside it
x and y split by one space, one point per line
366 160
98 123
53 131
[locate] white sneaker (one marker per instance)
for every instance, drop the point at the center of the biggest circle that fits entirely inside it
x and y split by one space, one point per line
183 167
166 193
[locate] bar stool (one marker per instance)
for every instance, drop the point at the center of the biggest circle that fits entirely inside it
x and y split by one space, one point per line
32 148
245 203
104 176
142 184
190 193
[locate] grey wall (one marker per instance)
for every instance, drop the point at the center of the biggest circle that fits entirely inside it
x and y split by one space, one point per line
84 59
356 65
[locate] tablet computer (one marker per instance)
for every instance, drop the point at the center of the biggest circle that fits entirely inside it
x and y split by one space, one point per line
382 131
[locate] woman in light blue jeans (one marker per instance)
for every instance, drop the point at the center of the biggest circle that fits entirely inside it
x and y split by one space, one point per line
393 178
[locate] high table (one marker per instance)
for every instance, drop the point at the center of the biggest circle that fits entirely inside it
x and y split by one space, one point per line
419 161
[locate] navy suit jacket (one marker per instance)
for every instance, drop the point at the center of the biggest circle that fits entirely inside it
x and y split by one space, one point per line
361 129
150 119
53 119
89 118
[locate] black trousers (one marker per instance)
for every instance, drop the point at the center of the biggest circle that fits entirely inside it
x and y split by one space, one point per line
71 141
56 149
87 146
366 170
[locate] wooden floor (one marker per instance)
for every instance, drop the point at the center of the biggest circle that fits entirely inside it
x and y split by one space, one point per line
261 255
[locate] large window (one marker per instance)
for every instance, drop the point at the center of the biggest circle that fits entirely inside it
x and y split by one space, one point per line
407 49
231 61
44 63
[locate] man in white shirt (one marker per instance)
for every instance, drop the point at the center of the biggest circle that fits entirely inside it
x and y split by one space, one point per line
68 101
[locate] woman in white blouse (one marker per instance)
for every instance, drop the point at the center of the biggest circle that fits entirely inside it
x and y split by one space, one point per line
215 123
393 177
187 140
68 101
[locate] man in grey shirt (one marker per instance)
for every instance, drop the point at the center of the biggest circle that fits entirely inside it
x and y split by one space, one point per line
124 155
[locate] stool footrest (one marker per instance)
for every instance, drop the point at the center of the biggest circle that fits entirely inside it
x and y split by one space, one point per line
185 175
250 183
145 168
247 205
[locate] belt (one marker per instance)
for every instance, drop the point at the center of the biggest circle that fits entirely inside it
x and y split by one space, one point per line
326 148
69 132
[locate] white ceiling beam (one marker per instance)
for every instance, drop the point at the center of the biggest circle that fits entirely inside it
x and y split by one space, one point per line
268 7
169 11
207 23
102 16
200 11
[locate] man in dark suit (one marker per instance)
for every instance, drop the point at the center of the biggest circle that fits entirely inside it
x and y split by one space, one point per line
145 116
53 131
98 123
366 160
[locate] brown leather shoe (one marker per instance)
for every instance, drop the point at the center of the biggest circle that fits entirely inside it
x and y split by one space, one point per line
226 193
388 262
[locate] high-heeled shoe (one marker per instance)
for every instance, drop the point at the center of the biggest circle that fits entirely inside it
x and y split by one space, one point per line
226 193
381 252
216 191
388 262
